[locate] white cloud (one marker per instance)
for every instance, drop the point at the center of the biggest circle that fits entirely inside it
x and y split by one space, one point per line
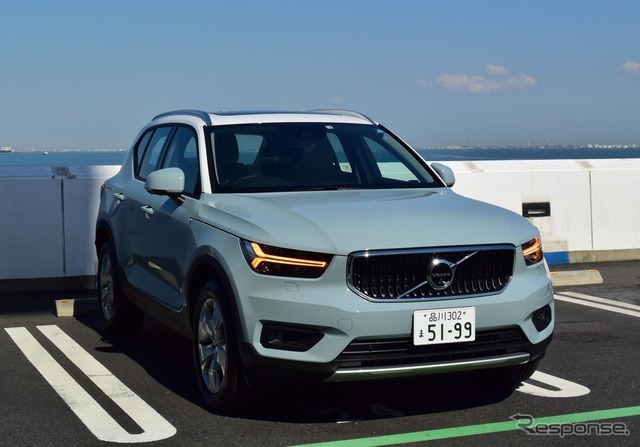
424 84
521 81
631 67
498 78
472 84
337 100
495 69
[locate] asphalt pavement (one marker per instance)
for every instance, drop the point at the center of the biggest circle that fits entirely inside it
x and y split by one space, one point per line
141 389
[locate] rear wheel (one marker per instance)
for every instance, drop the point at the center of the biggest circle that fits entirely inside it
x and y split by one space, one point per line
119 316
216 359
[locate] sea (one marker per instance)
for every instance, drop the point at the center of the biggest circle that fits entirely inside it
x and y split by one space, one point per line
113 158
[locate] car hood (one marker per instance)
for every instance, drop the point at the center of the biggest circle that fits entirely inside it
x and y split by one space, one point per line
344 221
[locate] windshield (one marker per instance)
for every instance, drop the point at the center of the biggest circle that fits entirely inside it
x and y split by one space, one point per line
309 156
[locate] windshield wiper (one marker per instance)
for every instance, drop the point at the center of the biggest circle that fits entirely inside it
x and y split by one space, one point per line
335 187
319 188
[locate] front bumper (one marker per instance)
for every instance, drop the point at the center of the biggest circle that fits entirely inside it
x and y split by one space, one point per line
359 339
372 359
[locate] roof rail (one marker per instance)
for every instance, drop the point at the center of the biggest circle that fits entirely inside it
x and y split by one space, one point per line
204 116
345 113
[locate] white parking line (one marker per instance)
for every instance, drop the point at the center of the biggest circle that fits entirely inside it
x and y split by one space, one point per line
102 425
557 387
599 303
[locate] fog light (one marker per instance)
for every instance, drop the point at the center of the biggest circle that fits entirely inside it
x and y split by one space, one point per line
289 338
542 318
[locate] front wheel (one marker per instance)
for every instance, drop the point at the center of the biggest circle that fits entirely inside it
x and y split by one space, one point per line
216 359
118 315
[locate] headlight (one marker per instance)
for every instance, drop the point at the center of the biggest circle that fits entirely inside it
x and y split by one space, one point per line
276 261
532 251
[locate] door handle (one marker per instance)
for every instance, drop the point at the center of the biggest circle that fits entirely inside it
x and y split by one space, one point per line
118 196
147 210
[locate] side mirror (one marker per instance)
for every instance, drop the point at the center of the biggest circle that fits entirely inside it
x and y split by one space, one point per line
445 173
165 182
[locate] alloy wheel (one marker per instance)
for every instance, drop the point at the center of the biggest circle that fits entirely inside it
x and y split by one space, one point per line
212 345
106 287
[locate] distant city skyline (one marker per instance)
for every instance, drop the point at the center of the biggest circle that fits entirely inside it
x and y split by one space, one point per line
529 146
88 75
452 147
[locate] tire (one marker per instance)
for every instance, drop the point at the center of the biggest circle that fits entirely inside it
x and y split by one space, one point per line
216 360
118 315
508 376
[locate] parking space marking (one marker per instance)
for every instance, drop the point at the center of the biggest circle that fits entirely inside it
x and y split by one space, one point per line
599 303
102 425
558 387
479 429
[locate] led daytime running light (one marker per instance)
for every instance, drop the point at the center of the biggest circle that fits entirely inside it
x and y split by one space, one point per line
532 251
261 257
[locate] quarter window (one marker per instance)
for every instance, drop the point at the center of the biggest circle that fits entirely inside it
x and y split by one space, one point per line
140 148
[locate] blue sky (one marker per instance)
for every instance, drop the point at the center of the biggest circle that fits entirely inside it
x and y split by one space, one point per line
88 74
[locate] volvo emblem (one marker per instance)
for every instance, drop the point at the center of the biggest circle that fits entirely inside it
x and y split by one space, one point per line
440 274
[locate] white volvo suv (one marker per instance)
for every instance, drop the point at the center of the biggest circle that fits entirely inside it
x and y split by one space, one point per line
316 246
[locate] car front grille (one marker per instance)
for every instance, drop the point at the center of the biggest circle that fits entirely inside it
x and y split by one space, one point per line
368 353
407 274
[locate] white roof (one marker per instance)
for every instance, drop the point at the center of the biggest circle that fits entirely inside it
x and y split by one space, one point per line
314 116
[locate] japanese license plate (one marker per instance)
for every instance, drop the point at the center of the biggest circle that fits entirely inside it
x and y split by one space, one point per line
455 325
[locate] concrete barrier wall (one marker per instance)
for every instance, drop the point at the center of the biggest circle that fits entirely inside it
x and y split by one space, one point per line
615 198
594 205
47 223
31 225
47 213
